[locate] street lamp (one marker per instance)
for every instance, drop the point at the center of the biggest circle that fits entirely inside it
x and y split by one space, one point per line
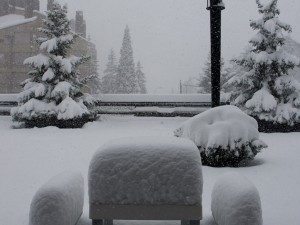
215 7
215 3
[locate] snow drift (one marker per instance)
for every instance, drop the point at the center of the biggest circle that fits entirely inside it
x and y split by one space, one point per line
59 201
223 131
236 201
146 170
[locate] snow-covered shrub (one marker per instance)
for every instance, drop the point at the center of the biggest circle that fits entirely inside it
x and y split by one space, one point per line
52 95
225 136
59 201
263 85
236 201
146 170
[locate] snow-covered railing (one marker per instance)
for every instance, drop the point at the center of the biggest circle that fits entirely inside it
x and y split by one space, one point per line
153 105
7 101
137 104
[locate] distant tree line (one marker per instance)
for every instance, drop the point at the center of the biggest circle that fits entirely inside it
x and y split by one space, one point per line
123 77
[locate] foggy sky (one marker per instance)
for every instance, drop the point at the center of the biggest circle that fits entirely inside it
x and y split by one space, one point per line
171 38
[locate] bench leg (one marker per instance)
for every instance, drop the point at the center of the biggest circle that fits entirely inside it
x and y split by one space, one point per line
194 222
190 222
108 222
97 222
185 222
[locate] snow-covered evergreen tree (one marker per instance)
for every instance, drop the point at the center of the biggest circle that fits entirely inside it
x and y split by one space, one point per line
141 79
126 81
110 73
263 86
205 76
93 79
52 95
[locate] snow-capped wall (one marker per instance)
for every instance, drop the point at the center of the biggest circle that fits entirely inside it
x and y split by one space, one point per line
59 201
236 201
146 170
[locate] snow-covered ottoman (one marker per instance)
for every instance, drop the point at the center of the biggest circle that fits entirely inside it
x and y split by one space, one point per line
236 201
225 136
59 201
146 178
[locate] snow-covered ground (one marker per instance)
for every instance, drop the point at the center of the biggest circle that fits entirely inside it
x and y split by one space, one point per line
30 157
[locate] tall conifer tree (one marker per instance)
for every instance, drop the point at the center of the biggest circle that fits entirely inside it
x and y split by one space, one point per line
110 72
141 79
52 95
126 81
263 86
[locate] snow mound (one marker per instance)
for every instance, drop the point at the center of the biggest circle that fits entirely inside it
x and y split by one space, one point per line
59 201
219 126
223 131
236 201
146 170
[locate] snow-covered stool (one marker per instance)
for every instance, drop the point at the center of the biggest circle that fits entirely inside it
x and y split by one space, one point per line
146 178
236 201
59 201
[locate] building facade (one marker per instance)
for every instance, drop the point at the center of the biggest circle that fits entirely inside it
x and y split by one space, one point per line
18 32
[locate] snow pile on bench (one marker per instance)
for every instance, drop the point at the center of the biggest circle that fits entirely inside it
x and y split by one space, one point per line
224 128
236 201
59 201
146 170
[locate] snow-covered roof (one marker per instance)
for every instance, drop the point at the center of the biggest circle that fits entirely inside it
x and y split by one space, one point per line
13 20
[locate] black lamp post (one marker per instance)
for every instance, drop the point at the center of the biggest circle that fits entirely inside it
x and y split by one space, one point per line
215 7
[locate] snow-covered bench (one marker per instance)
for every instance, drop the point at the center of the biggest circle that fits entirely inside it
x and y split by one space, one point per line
236 201
59 201
146 178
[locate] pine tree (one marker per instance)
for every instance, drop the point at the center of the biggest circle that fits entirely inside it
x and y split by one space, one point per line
263 86
205 76
109 78
52 95
126 81
141 79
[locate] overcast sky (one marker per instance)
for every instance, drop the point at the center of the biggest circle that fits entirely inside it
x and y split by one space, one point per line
171 37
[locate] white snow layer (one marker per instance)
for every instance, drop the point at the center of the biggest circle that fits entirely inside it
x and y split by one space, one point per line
59 201
262 100
236 201
13 20
67 109
221 127
38 61
146 170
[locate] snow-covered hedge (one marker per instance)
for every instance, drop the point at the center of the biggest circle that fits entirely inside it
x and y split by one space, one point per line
236 201
224 135
146 170
59 201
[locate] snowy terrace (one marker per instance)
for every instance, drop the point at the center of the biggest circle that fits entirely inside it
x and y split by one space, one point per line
30 157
